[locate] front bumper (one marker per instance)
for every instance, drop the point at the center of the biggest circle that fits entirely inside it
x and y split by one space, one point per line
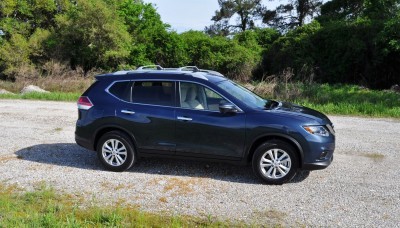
319 155
317 165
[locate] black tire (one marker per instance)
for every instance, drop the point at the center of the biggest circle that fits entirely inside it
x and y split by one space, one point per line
276 171
116 151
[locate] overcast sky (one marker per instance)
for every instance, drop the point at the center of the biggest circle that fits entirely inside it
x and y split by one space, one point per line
184 15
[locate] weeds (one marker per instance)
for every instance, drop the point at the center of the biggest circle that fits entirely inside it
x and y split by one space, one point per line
54 96
43 207
375 156
58 129
334 99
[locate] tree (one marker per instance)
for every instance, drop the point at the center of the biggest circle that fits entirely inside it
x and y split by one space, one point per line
294 50
350 10
92 36
220 53
294 14
152 43
246 13
344 10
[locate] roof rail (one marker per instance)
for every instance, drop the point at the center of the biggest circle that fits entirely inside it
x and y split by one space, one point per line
195 69
189 68
157 67
184 68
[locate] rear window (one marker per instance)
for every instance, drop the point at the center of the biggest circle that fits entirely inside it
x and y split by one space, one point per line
122 90
154 93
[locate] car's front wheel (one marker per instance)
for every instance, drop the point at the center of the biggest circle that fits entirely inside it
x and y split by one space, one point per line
275 162
115 151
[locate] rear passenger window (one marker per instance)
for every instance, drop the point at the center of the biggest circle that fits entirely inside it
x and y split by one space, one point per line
121 90
154 93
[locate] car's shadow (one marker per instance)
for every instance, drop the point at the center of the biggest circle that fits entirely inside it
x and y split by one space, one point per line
72 155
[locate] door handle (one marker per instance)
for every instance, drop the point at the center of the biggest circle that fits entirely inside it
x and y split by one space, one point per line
184 118
129 112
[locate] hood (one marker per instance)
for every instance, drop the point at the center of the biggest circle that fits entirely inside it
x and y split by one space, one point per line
299 110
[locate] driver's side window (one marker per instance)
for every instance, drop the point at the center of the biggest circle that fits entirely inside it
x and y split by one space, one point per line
195 96
213 100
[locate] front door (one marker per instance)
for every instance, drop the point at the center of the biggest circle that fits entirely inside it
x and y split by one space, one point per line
203 131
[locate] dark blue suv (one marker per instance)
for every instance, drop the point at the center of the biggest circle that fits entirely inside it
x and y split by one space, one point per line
199 114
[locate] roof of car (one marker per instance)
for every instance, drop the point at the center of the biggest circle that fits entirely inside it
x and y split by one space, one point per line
158 72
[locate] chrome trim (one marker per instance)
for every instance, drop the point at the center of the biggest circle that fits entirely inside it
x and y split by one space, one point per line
127 112
167 80
184 118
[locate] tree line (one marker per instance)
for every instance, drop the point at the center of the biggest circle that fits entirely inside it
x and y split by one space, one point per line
337 41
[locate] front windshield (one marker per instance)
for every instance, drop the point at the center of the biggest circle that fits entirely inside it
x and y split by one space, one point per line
243 94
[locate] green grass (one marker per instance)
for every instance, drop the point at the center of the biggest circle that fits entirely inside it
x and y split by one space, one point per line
54 96
341 99
44 208
351 100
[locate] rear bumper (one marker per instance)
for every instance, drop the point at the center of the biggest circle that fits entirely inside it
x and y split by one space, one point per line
84 142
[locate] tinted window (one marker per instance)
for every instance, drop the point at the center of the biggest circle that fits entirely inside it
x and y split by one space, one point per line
122 90
154 93
196 96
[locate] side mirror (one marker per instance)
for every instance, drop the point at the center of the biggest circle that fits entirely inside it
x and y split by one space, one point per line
227 108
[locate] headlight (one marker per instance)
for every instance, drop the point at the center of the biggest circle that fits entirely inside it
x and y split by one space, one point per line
317 130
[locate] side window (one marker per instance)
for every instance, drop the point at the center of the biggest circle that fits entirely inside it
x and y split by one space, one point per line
213 100
153 92
196 96
122 90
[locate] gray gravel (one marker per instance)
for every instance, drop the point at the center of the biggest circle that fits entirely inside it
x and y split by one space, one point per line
360 188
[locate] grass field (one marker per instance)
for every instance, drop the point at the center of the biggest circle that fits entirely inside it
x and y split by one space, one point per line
329 99
350 100
44 208
53 96
335 99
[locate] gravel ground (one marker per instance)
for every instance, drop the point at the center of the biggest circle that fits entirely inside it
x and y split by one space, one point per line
360 188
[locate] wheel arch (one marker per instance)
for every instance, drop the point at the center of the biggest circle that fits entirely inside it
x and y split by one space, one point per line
263 138
108 128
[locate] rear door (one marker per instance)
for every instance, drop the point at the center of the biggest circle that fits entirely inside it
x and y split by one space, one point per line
149 114
201 130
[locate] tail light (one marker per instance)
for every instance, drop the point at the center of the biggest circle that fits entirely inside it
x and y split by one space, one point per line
84 103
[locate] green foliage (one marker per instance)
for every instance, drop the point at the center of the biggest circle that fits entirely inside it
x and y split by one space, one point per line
54 96
350 42
293 14
353 43
14 56
152 43
92 36
336 99
246 13
293 50
351 100
222 54
43 207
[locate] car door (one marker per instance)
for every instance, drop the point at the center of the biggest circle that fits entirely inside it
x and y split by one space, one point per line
202 130
150 116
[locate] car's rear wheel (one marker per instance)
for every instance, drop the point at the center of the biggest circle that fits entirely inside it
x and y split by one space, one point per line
275 162
115 151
